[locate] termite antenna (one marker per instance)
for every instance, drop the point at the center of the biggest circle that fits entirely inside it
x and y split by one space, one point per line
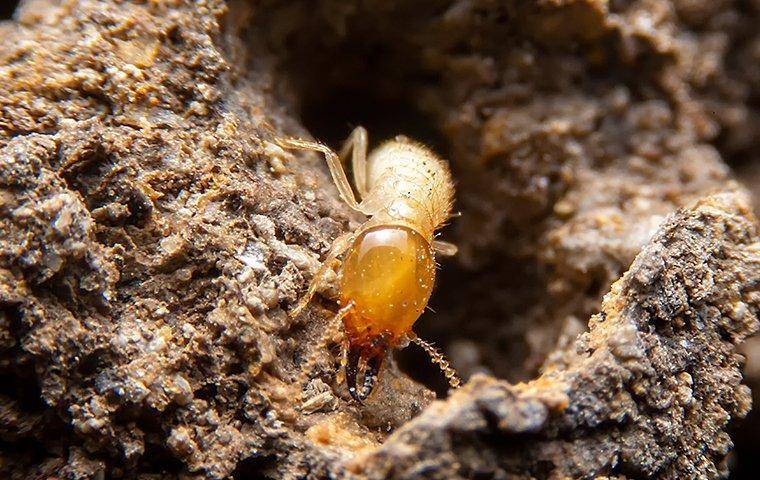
439 359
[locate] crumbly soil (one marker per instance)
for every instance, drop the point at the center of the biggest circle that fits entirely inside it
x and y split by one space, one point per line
154 237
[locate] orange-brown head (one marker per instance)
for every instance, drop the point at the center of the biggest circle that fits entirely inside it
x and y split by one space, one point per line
388 275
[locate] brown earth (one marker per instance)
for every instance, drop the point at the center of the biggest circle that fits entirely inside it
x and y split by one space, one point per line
153 238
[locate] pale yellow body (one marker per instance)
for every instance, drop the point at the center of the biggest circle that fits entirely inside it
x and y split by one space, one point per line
408 183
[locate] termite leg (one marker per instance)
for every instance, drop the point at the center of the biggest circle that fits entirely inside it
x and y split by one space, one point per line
341 376
333 163
357 145
439 359
445 248
338 247
333 327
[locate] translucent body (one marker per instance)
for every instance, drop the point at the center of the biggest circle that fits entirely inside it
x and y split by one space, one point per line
407 182
388 275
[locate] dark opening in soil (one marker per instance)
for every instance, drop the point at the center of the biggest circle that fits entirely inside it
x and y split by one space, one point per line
331 117
7 7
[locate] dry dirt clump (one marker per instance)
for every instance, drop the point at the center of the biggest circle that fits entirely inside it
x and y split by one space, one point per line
153 237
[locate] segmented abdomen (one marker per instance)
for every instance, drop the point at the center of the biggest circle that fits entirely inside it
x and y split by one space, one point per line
407 181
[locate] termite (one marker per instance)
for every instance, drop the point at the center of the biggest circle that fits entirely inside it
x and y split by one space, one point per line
388 270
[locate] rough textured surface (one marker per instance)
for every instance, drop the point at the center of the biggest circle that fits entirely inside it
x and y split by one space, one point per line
153 237
639 394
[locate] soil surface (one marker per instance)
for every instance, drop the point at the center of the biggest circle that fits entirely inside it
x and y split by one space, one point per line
154 238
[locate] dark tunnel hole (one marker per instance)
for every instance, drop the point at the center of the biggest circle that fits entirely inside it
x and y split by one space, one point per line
160 461
744 461
255 467
331 115
7 7
359 80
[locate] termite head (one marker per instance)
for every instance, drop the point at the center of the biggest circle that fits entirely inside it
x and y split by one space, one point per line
388 276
